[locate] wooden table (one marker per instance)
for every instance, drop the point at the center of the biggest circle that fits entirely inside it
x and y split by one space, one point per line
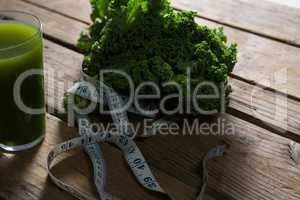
257 164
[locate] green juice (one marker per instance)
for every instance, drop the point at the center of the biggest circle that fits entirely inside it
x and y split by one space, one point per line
17 127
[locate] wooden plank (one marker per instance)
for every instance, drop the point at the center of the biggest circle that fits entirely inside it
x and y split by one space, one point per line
262 154
262 17
240 97
80 10
266 108
24 175
290 3
182 154
254 63
263 61
263 98
257 164
250 146
269 156
56 27
61 72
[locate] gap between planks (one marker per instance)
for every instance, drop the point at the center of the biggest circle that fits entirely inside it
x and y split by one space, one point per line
240 107
254 52
264 18
183 154
250 140
214 12
67 29
270 148
28 175
256 166
61 72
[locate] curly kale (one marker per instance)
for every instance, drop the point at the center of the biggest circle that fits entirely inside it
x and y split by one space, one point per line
151 42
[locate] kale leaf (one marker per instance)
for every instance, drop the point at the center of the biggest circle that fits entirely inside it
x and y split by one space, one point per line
152 42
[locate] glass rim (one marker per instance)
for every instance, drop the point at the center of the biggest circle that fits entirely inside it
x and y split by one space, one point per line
31 38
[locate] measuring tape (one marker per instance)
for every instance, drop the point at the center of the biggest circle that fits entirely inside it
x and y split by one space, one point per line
124 140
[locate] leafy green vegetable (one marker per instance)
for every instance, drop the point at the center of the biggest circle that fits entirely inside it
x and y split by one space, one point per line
151 42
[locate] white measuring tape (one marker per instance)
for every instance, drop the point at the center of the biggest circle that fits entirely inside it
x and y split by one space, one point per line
123 140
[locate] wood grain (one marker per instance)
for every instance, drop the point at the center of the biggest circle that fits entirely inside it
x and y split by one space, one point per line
248 101
265 18
71 10
60 74
262 17
254 64
256 151
290 3
268 109
257 163
256 166
56 27
260 60
263 61
24 175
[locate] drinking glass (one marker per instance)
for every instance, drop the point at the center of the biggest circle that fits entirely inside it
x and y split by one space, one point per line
22 103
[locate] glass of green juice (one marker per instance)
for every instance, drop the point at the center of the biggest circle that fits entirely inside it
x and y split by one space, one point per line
22 103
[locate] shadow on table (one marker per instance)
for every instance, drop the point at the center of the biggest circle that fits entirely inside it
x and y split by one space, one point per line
14 168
